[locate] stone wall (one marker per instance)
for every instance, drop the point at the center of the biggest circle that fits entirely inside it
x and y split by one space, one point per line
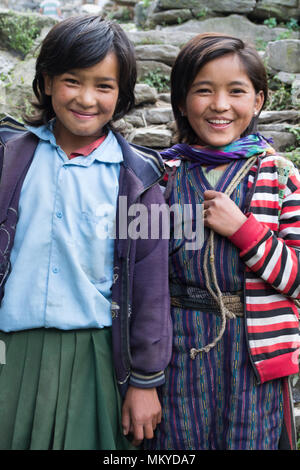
158 29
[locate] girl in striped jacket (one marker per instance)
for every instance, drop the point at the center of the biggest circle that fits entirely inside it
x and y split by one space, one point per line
236 332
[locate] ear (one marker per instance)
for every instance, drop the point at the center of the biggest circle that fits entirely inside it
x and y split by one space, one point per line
47 84
182 110
259 101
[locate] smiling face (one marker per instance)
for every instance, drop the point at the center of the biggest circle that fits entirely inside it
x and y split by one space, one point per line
84 101
221 101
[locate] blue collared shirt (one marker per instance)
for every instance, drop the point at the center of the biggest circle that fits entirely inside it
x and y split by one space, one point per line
62 260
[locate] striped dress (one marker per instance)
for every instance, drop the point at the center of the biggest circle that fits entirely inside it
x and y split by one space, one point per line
222 400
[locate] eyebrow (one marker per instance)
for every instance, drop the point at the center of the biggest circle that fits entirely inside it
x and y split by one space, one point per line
105 79
210 82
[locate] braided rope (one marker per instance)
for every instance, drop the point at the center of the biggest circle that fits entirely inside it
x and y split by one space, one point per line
210 248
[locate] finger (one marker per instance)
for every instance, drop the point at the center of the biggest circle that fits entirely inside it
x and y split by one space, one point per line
155 421
138 434
210 194
136 442
148 431
125 421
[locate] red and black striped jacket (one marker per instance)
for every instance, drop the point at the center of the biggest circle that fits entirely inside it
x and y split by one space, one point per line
269 243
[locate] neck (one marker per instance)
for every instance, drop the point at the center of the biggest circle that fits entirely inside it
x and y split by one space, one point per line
69 143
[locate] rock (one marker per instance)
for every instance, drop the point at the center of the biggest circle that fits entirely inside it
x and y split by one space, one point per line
136 118
23 74
165 53
282 140
232 6
282 10
276 127
175 38
235 25
284 55
3 105
228 6
146 66
123 127
18 92
170 16
286 77
128 2
295 92
165 97
91 9
159 115
290 115
151 137
7 62
144 94
170 4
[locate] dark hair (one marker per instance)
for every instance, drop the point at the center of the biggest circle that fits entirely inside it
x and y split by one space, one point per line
193 56
81 42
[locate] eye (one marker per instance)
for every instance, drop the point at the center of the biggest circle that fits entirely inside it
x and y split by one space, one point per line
71 81
237 91
105 86
204 91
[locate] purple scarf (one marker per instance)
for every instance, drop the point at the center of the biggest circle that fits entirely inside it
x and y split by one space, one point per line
248 146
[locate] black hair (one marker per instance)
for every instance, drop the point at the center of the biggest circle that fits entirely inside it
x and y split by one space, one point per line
81 42
193 56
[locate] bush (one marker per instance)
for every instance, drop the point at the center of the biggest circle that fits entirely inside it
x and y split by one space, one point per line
18 31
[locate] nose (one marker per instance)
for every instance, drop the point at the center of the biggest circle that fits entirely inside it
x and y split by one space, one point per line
86 97
220 102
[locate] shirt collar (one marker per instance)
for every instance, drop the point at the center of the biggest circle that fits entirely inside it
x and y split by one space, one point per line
94 151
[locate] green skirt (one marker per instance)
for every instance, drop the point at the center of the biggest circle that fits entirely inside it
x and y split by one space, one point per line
58 391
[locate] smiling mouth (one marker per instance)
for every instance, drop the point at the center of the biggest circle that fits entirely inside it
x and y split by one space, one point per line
82 115
219 122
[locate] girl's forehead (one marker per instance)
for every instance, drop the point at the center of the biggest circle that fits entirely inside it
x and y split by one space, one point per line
107 67
228 66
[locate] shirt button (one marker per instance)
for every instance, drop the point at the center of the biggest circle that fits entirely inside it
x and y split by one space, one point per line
55 270
59 215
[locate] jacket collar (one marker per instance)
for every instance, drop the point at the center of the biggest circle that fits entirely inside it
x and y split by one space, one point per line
146 164
20 150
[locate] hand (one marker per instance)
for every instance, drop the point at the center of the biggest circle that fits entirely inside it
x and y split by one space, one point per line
221 214
141 413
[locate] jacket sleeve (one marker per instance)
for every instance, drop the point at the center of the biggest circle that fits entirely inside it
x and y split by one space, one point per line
150 325
275 259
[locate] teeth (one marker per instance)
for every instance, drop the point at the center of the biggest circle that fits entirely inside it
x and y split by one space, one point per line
218 121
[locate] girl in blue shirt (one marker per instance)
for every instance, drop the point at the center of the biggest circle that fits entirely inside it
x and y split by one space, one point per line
58 388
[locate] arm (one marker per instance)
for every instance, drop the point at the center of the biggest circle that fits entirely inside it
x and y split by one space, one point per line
275 259
150 330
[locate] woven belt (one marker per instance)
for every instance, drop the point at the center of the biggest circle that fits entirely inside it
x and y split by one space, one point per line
232 302
190 297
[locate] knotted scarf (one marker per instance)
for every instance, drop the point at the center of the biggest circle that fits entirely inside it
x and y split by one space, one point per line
245 147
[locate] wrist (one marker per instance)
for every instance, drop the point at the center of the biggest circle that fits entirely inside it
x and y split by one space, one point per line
249 233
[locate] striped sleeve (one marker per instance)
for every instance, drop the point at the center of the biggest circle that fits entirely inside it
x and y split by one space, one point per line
274 259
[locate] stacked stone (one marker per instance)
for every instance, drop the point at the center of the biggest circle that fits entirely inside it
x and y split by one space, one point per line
151 123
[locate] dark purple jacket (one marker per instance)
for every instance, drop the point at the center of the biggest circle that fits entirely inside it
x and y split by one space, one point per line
141 327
